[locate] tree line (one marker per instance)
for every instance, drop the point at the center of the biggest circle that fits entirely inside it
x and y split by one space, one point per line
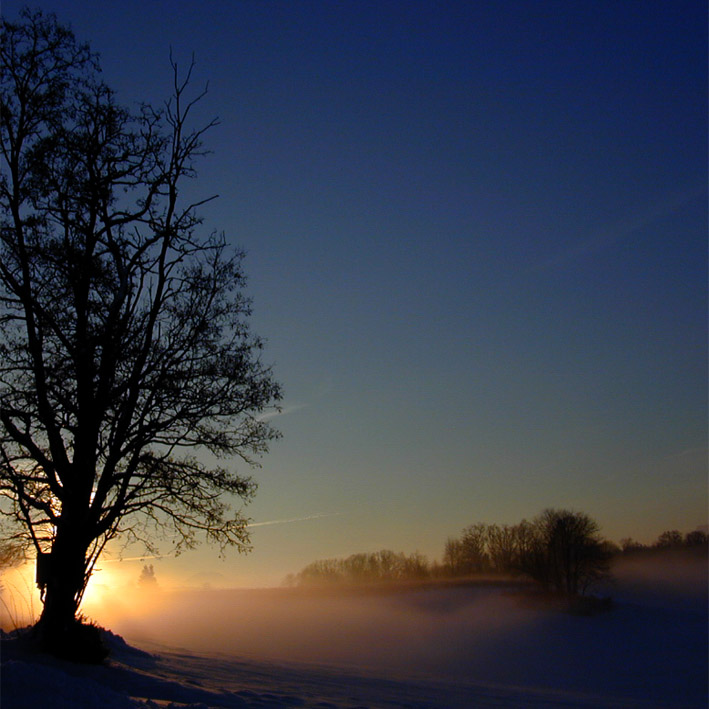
670 540
560 550
384 565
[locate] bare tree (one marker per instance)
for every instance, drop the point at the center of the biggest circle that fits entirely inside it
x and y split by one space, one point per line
147 577
502 546
474 548
124 343
567 555
697 539
671 539
364 568
560 550
454 557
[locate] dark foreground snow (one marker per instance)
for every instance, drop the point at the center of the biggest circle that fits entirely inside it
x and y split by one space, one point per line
174 679
432 648
171 679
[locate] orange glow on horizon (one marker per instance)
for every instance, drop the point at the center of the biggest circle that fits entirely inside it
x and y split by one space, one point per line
110 593
20 604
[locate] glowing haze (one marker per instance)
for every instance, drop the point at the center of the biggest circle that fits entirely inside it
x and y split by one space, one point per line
476 238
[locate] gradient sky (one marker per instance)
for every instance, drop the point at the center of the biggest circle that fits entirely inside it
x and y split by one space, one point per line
477 248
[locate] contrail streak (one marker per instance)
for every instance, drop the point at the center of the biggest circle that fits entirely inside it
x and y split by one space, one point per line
294 519
623 228
319 515
132 558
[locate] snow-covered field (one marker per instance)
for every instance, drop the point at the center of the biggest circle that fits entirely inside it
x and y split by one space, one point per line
431 647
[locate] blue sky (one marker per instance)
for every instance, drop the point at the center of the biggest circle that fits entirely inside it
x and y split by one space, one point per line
477 248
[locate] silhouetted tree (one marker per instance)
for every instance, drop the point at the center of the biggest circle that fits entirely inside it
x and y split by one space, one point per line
566 553
671 539
380 566
147 576
560 550
124 343
388 563
453 557
696 539
502 546
531 558
629 546
325 571
414 566
473 542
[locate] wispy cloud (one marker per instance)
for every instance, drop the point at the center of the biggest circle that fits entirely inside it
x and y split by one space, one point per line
622 229
699 452
319 515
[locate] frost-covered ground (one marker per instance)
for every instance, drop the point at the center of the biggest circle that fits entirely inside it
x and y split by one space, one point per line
458 647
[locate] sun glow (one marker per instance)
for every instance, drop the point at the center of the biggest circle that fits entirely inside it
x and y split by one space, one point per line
110 593
100 586
20 604
114 593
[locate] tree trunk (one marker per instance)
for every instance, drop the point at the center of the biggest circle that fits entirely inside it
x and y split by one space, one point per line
64 584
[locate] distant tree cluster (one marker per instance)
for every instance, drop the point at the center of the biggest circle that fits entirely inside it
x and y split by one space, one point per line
670 540
147 577
376 567
559 549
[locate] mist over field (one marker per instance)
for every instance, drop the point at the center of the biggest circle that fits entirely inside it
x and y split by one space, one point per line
475 643
652 645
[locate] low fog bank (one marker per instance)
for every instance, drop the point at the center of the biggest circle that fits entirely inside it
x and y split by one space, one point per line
653 644
662 578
